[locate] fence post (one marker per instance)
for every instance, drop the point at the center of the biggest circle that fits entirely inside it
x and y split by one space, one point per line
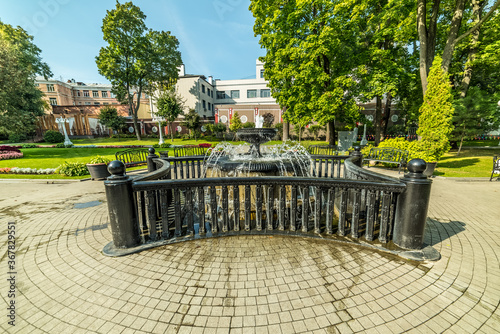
150 159
122 214
411 209
357 153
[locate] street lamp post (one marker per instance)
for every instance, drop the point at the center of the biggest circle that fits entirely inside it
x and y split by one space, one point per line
62 121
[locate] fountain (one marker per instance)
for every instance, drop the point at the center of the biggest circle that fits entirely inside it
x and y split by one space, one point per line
278 160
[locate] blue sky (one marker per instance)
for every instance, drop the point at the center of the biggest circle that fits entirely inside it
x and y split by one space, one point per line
216 36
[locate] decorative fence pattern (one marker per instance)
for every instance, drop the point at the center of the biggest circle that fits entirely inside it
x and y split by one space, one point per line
174 203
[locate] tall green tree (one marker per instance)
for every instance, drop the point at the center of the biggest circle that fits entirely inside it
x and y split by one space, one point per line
441 25
170 105
108 116
310 59
135 57
192 122
235 122
475 114
21 102
436 113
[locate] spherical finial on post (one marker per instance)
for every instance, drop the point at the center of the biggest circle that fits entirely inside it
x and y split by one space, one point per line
357 148
151 150
117 170
417 165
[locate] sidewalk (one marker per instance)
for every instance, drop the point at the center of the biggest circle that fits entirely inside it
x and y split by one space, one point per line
246 284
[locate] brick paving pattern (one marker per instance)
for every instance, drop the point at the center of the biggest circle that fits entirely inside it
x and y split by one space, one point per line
247 284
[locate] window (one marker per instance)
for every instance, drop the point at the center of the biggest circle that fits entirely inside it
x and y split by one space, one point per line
87 103
53 101
97 103
208 91
202 88
86 93
112 94
265 93
95 93
204 105
251 93
50 88
212 94
36 84
209 106
262 73
104 94
105 103
221 95
235 94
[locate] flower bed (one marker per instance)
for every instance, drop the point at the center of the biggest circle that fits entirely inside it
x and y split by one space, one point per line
17 170
10 152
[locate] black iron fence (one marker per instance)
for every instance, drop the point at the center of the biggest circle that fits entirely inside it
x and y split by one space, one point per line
174 202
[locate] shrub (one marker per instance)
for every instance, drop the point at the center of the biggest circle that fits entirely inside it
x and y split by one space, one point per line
416 149
72 169
164 145
249 125
61 145
98 159
52 136
206 145
17 137
29 146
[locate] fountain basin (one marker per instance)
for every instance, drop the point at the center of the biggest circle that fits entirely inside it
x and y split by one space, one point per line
256 136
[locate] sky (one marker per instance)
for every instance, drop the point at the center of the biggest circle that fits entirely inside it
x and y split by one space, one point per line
215 36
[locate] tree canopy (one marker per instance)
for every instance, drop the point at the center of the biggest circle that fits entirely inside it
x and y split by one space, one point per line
136 57
170 105
108 116
21 102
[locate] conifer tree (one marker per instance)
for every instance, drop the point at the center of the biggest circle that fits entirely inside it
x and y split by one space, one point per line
435 120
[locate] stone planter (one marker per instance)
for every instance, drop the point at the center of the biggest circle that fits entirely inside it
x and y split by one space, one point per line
98 171
429 170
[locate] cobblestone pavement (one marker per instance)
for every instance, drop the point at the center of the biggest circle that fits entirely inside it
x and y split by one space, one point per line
245 284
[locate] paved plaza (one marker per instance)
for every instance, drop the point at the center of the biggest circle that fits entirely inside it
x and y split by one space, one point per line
246 284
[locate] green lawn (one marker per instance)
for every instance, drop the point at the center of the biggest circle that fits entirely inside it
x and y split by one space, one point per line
469 163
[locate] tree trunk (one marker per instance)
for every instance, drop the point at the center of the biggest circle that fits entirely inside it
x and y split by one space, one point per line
456 22
477 11
286 131
427 38
378 120
386 115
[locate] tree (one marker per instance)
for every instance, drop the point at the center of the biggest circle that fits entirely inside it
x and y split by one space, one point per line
435 121
475 114
235 122
310 59
170 105
192 122
108 116
135 57
21 102
431 25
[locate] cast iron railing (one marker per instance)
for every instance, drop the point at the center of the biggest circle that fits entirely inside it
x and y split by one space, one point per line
172 203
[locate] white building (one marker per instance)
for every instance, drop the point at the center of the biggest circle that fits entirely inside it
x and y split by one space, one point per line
220 99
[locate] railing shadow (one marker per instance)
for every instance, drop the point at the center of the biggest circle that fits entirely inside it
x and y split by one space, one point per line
437 231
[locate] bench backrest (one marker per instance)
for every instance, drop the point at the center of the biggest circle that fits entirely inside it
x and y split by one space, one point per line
133 156
387 154
496 164
322 149
189 151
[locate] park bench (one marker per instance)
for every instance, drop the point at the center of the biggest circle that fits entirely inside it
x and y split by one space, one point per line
322 150
496 167
189 151
133 156
387 155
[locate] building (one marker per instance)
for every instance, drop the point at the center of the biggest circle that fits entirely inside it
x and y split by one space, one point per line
80 103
